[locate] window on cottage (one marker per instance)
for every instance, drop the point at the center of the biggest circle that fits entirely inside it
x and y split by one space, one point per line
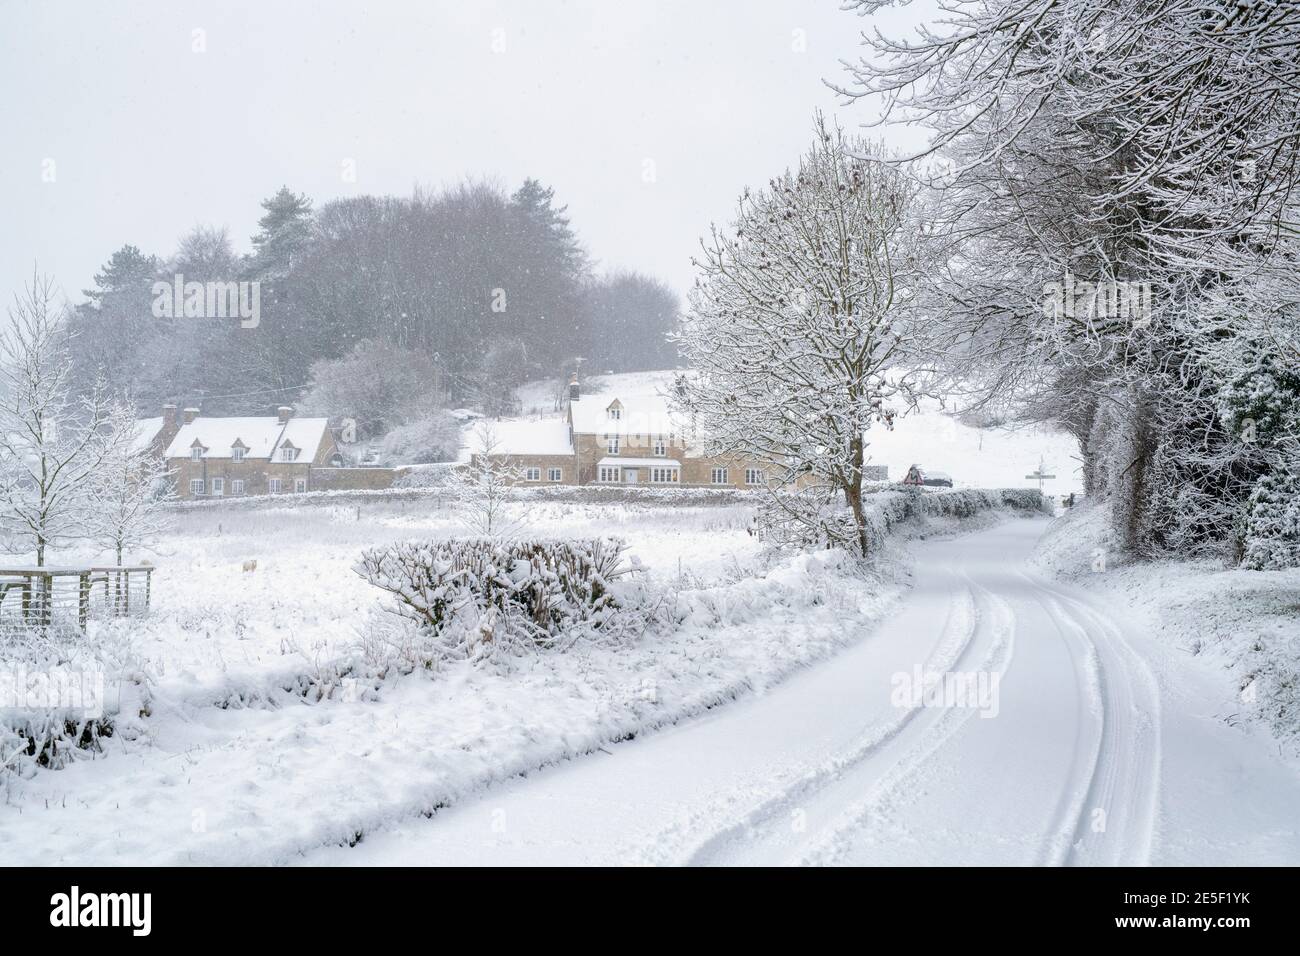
275 486
196 486
532 474
660 448
718 476
288 453
612 444
615 414
196 453
663 475
556 474
300 485
237 453
218 486
237 486
753 476
609 473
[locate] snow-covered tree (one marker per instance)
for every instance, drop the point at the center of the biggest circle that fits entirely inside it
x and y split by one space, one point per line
377 385
52 444
1096 143
132 487
796 325
483 488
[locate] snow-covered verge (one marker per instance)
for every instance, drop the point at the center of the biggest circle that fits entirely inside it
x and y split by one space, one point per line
250 729
1244 624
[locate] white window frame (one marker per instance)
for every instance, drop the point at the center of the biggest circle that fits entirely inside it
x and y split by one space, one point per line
610 474
196 486
218 487
532 473
611 444
754 476
615 414
236 486
555 474
236 452
196 453
274 486
299 486
664 476
660 448
719 476
288 453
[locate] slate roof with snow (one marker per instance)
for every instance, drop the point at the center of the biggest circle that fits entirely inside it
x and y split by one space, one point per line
260 436
645 409
547 436
305 434
146 430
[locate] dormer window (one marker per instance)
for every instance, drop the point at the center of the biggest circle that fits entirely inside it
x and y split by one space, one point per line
196 453
236 452
288 453
615 410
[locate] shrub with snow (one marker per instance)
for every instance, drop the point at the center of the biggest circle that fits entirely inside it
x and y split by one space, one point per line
472 596
62 691
1271 532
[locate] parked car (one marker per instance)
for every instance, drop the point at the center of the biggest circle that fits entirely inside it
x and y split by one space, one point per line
916 475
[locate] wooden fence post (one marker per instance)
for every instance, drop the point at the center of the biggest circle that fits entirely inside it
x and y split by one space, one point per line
83 599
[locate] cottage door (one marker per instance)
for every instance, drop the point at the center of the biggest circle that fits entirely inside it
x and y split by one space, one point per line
630 475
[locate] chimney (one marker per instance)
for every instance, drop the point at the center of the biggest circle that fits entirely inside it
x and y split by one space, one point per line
573 388
284 413
169 416
189 414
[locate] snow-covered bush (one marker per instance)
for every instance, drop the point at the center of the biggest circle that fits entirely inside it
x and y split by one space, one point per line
432 438
63 691
1271 532
473 596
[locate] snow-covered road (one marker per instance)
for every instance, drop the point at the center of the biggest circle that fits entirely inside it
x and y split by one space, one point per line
1099 746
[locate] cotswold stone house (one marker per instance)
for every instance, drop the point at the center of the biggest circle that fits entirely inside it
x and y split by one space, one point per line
618 437
229 457
213 458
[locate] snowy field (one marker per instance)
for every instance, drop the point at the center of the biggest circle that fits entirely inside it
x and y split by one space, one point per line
1106 743
252 753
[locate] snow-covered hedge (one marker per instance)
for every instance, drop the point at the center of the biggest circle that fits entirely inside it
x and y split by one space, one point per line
885 509
475 595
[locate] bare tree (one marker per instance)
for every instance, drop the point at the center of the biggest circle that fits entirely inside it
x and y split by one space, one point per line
133 486
795 328
52 445
483 488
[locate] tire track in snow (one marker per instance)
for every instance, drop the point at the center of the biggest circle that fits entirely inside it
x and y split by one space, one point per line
1109 811
839 837
764 830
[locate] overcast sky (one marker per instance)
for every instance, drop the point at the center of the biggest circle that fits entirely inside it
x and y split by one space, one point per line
648 118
